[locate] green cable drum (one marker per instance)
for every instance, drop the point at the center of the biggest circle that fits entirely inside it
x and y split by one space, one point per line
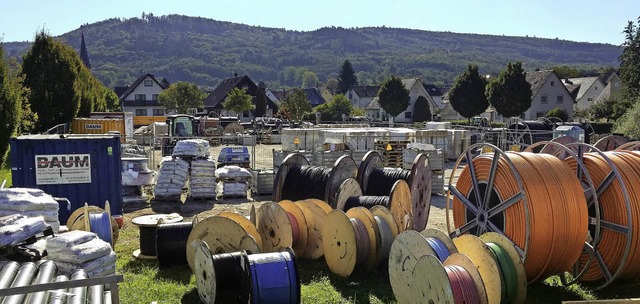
508 274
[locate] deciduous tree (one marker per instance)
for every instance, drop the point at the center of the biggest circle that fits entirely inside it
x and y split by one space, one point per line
333 110
11 98
347 77
296 105
238 101
467 95
393 97
181 96
510 93
309 79
559 113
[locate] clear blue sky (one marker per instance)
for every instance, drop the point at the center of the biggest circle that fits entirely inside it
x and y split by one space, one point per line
586 20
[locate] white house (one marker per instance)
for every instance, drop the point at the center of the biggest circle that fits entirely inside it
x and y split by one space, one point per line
547 93
590 89
141 97
419 98
612 90
361 96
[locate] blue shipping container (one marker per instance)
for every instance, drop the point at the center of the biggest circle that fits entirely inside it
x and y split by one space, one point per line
80 168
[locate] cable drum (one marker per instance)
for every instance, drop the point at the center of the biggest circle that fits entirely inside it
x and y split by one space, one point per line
375 180
361 241
297 180
533 199
273 277
171 243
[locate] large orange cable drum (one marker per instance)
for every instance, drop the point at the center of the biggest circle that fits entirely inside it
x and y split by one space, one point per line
550 227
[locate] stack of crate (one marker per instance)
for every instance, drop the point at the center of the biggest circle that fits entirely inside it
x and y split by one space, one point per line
436 162
391 151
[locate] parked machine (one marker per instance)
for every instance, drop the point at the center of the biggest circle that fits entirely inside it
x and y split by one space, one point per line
180 126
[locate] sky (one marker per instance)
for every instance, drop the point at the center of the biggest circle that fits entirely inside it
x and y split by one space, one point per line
585 21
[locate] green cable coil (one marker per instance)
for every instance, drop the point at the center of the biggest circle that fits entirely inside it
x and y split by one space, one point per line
508 274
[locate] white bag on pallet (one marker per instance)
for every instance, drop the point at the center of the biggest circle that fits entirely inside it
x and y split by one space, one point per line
81 253
16 229
191 148
232 172
69 239
172 177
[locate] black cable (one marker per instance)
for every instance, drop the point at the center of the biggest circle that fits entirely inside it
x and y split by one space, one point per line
148 241
303 182
381 180
171 243
366 201
232 280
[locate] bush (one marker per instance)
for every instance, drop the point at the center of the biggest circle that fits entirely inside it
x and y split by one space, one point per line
602 127
557 112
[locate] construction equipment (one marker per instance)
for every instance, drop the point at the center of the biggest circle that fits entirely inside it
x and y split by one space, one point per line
180 126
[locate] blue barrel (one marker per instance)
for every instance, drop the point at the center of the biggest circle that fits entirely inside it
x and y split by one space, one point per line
274 277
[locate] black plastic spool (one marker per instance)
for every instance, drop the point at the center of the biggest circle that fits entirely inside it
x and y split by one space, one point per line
171 243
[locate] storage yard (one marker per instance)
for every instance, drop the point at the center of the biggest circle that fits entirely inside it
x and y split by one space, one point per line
323 215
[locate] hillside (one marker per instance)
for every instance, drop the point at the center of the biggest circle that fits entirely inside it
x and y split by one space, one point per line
206 51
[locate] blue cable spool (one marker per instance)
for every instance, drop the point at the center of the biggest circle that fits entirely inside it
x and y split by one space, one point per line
100 223
439 248
273 277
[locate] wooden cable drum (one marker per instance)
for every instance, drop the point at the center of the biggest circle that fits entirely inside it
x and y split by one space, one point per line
222 235
220 277
375 180
441 244
463 261
320 203
297 180
147 225
478 252
611 142
76 220
573 154
398 201
315 216
372 233
429 283
517 281
297 220
630 146
275 227
386 214
248 226
615 256
533 199
406 249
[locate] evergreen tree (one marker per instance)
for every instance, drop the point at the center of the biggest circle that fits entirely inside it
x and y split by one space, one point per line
261 99
393 97
510 93
238 101
11 97
51 70
112 100
467 95
181 96
347 77
630 61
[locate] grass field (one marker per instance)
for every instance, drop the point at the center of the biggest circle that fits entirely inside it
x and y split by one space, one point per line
5 174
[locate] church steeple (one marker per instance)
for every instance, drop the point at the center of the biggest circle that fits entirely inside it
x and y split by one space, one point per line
84 55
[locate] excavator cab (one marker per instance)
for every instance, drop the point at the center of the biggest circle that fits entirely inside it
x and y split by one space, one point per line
180 126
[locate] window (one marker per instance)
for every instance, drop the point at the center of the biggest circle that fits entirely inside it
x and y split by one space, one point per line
148 83
192 111
141 112
141 97
553 83
154 97
560 98
407 115
539 114
543 99
158 112
590 99
350 94
596 88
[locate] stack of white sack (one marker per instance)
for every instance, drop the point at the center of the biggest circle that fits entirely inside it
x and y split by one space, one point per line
79 249
191 148
30 203
171 179
234 172
17 228
203 180
232 189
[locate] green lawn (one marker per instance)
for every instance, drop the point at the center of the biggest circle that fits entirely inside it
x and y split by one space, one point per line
145 283
5 174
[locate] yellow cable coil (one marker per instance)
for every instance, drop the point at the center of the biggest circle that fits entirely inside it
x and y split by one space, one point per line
613 210
556 204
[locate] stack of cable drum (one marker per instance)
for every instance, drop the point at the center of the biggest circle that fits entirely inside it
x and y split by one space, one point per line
568 208
429 267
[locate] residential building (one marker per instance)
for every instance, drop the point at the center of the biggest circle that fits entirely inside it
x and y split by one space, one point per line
213 104
418 99
141 97
374 112
588 92
547 93
612 90
361 96
313 95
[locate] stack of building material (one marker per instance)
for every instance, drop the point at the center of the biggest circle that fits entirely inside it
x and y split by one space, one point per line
79 249
203 179
438 138
171 179
192 148
30 203
233 181
15 229
262 181
459 141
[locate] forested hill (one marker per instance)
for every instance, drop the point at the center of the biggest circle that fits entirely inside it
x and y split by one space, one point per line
206 51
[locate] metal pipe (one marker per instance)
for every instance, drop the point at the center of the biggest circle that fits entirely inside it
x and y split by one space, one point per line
77 295
96 294
59 296
46 271
107 297
7 274
25 276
